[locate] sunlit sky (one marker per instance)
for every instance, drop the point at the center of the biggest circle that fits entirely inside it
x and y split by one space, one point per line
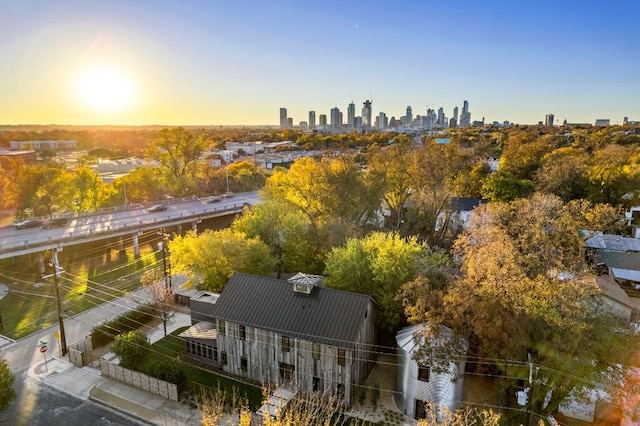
209 62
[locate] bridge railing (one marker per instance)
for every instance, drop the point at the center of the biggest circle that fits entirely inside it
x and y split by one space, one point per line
131 224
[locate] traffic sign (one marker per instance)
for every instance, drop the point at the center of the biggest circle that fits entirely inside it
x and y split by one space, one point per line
43 349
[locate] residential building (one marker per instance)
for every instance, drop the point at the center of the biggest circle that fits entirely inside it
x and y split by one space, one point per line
417 383
323 120
289 122
283 118
294 333
408 118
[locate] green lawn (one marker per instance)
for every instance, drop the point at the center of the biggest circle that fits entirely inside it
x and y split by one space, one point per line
199 379
30 305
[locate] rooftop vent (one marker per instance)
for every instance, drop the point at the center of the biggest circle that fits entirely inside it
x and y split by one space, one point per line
304 283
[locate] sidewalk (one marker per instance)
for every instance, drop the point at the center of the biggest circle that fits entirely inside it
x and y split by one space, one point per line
87 384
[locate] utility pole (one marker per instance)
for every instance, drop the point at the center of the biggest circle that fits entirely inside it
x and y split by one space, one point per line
533 375
167 269
63 338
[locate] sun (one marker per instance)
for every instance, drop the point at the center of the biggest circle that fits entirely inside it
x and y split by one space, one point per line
106 89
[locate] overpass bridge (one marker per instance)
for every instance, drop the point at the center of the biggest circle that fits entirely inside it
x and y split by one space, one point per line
123 222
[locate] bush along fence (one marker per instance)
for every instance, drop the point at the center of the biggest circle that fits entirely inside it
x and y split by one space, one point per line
128 321
140 380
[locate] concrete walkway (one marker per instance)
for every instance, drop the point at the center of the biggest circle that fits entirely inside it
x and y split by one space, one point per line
88 384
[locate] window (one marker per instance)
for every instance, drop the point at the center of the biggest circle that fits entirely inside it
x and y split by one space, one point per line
224 358
340 390
341 356
316 351
286 371
244 364
421 412
424 373
243 332
286 343
222 327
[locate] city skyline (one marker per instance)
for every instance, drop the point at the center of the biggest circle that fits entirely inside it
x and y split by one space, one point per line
233 63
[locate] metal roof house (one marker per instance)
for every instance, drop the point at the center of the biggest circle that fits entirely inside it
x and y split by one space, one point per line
416 383
294 333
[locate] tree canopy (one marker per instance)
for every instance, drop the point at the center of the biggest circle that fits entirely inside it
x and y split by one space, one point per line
209 259
525 289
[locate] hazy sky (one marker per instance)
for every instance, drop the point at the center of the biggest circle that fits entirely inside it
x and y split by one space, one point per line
237 62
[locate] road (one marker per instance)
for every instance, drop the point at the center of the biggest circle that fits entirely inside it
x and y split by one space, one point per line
31 240
37 404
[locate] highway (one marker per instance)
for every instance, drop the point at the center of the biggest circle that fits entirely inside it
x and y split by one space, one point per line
118 222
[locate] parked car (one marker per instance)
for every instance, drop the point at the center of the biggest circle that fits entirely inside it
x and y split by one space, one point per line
28 223
157 208
55 222
214 200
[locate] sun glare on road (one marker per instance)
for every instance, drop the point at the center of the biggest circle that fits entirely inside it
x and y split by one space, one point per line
106 89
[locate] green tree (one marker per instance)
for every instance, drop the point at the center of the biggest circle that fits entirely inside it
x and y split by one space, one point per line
378 265
209 259
613 173
131 347
284 230
389 173
502 186
7 394
178 152
562 173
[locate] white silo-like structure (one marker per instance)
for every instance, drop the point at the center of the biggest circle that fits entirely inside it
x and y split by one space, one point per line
417 383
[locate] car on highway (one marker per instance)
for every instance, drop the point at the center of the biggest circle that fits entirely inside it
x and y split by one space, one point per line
214 200
28 223
55 222
157 208
227 195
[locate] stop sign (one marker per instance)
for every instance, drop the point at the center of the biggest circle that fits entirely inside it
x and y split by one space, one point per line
43 349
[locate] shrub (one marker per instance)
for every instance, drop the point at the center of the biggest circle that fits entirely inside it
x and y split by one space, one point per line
128 321
131 347
169 372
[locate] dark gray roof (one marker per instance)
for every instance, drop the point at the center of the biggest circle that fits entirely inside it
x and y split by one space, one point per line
466 204
327 316
620 260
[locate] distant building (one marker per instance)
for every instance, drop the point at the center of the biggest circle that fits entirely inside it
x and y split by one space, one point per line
289 123
45 144
366 114
455 115
465 118
336 118
548 120
351 115
408 118
10 158
283 118
323 119
383 121
312 120
303 125
602 122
